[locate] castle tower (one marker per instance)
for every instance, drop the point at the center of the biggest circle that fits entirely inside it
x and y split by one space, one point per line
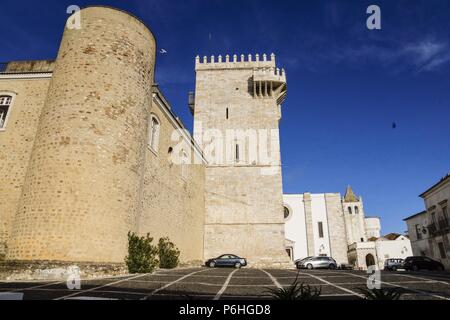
81 193
238 107
354 217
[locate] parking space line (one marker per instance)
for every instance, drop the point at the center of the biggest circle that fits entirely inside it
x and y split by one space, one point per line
337 295
211 296
225 276
172 283
274 280
207 284
406 288
99 287
420 278
96 291
36 287
335 285
225 285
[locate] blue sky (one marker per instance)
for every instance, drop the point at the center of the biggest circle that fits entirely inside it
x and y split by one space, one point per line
346 84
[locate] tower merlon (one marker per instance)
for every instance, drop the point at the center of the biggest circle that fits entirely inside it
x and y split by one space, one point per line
268 81
235 62
269 74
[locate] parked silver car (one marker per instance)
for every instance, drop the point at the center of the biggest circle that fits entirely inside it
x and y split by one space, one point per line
316 263
394 264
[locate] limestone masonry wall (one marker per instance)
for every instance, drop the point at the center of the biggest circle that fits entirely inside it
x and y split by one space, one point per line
82 189
336 225
173 206
16 143
244 206
77 170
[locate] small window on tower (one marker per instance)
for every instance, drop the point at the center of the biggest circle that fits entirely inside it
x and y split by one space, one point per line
5 103
350 210
237 153
320 230
356 210
227 113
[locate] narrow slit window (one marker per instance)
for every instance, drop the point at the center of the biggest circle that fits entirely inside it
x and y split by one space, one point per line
5 104
320 230
227 113
237 153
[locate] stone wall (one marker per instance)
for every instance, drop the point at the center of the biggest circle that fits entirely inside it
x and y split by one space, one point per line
35 66
82 189
92 176
309 224
16 143
336 225
173 206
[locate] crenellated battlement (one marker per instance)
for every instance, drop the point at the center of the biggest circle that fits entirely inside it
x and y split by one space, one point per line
235 62
269 74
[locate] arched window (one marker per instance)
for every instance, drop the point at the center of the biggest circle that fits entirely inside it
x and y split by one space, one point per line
5 108
356 210
154 128
350 210
287 213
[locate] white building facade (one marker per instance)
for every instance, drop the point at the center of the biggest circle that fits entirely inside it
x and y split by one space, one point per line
327 224
429 230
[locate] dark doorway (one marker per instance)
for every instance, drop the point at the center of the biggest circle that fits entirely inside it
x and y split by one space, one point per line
370 260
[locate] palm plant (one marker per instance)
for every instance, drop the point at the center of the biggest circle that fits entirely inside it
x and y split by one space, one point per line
296 291
381 294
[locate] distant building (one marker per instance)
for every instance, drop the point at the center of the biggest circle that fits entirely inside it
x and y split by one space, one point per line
330 225
373 227
378 250
429 230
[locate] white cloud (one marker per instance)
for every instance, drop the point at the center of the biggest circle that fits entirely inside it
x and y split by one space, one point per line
421 56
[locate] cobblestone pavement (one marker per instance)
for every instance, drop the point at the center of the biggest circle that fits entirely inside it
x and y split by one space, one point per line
226 284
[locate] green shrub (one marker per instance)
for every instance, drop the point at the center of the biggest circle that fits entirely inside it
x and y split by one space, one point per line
168 254
142 255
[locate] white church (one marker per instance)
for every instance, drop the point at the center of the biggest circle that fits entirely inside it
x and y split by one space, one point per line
328 224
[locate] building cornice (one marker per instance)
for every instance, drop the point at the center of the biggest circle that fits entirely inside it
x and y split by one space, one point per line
26 75
415 215
436 186
175 121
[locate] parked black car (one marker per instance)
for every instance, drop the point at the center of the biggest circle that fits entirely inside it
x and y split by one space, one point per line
394 264
227 260
419 263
